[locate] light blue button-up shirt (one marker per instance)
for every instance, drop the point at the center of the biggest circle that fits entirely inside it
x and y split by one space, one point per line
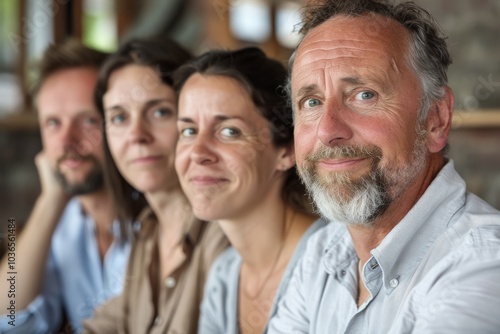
219 308
76 280
437 271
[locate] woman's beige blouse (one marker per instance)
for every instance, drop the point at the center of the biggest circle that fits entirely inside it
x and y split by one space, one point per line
179 296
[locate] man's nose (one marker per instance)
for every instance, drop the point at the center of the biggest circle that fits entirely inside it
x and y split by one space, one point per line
333 127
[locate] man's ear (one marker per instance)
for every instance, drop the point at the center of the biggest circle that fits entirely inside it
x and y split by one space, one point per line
439 121
286 158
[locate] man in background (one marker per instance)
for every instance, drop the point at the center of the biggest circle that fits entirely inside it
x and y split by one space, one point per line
71 255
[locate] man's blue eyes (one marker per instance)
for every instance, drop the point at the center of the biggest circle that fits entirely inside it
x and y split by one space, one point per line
188 132
367 95
311 103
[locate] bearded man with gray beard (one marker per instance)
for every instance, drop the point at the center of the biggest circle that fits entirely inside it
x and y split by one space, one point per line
408 249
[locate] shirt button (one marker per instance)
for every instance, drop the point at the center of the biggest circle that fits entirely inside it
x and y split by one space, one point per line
158 321
342 272
170 282
394 282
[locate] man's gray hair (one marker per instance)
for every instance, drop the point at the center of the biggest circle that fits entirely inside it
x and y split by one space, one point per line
428 55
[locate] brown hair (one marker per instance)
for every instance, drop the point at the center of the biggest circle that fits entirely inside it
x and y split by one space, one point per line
163 56
68 55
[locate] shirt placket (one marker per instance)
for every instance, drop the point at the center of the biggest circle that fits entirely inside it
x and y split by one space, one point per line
169 297
372 276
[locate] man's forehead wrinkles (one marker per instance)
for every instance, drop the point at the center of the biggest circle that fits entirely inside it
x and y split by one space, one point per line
312 55
307 84
335 41
331 60
394 65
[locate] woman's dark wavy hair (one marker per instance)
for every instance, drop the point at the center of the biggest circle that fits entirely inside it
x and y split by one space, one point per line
161 55
264 79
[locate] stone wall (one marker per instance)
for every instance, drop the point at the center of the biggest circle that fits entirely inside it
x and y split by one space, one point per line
473 30
476 153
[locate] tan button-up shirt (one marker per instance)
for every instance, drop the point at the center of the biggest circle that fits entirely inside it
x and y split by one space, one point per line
179 295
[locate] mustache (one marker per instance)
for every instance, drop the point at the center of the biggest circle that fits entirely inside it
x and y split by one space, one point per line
345 151
74 155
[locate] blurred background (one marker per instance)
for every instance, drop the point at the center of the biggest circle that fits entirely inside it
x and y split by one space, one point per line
27 27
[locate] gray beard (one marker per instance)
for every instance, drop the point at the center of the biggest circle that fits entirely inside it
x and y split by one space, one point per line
359 202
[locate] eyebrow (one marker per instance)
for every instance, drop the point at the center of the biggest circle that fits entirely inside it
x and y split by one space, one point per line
353 80
147 105
314 88
81 112
219 118
306 90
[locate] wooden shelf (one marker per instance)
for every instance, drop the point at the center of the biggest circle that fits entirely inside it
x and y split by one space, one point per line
476 119
21 121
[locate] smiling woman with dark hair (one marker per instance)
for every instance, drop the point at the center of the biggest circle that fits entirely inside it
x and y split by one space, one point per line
235 162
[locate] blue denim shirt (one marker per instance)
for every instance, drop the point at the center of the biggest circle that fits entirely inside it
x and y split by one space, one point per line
75 278
437 271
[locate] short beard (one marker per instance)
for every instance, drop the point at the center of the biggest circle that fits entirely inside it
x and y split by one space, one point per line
93 182
359 202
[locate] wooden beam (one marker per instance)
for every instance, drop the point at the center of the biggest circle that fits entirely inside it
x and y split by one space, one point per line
59 21
77 18
483 118
217 29
271 47
126 15
22 61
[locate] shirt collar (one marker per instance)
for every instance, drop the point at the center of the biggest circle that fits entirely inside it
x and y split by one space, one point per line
339 250
115 228
194 230
145 223
403 249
